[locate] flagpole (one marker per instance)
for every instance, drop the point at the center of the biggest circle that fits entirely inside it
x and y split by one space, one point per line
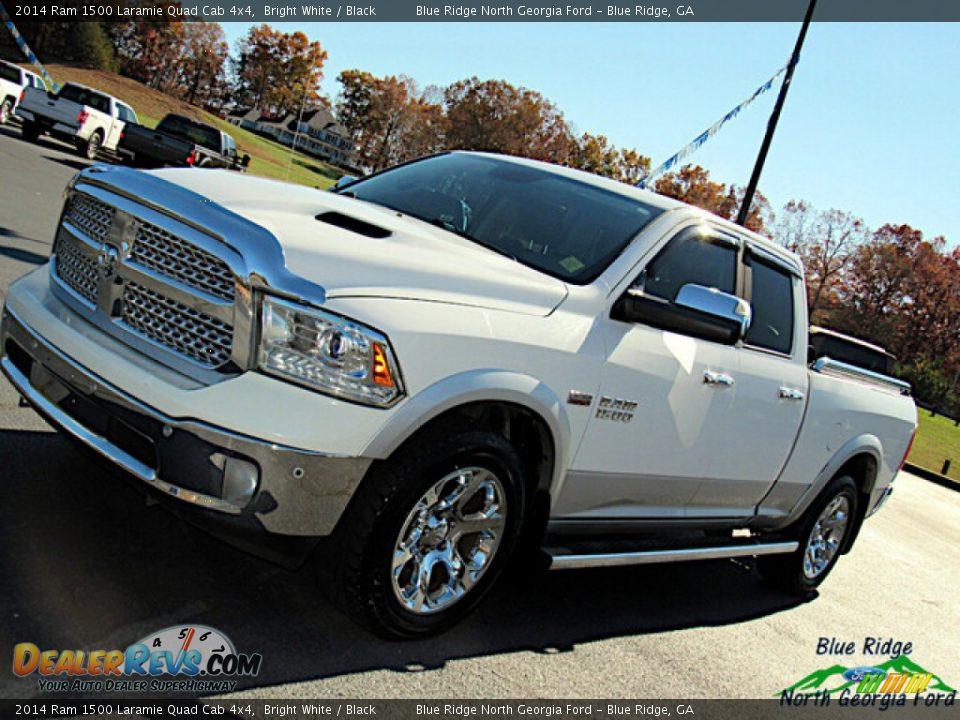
774 117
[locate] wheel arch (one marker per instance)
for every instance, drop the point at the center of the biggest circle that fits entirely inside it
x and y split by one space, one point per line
860 458
519 404
863 468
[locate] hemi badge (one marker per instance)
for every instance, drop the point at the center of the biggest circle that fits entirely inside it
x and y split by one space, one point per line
579 398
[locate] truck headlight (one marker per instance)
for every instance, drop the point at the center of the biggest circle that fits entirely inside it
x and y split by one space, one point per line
328 353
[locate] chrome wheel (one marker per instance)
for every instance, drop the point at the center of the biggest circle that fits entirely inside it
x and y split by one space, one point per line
449 540
5 112
826 536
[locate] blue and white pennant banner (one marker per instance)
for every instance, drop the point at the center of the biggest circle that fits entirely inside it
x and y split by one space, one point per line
675 159
22 44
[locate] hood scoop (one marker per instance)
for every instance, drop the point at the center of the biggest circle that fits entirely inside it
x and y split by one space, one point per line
353 224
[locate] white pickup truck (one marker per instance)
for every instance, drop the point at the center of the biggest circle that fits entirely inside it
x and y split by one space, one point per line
89 119
13 80
429 360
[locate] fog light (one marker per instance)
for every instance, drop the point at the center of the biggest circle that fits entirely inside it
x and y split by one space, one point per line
240 480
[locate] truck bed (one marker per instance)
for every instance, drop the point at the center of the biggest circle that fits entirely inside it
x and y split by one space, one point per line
154 147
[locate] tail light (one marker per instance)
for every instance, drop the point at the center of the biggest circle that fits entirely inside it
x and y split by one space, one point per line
23 94
82 117
192 157
909 448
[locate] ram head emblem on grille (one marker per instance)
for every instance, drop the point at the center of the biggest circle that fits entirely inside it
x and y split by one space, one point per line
107 258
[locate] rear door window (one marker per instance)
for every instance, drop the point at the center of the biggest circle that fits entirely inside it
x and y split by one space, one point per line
773 311
10 74
126 114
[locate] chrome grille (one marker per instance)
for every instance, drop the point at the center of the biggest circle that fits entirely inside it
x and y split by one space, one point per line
168 322
92 217
78 271
168 255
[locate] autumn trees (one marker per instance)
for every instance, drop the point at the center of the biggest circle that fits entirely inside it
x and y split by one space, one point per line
184 59
692 184
826 242
392 120
272 70
903 291
277 72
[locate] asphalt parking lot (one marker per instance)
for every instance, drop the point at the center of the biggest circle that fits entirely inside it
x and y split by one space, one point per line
86 563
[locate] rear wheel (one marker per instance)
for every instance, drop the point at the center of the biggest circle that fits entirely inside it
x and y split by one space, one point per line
429 532
30 132
91 147
822 534
6 111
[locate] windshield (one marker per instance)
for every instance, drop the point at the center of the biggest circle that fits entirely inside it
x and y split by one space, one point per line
82 96
560 226
190 131
10 73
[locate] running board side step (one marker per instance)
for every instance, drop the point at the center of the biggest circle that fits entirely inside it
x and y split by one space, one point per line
561 561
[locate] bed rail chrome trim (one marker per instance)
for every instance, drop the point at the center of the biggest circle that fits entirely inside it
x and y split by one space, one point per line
561 561
828 366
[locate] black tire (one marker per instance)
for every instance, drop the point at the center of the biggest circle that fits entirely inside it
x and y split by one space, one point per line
6 111
91 147
30 132
359 577
790 572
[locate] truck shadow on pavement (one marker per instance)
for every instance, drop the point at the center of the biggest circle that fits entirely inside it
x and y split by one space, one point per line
48 143
75 164
85 563
22 255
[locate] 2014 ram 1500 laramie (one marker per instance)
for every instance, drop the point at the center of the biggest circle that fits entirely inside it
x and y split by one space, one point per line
430 360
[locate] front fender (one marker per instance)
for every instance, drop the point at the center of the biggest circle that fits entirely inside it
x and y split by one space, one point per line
488 385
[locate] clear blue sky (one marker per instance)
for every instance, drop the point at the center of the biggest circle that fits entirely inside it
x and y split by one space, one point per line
870 125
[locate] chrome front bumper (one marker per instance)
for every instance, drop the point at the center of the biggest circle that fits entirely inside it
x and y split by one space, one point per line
289 491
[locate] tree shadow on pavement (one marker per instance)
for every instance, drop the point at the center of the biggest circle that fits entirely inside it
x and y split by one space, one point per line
87 564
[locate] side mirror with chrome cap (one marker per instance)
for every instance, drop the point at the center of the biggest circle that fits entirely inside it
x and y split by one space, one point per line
720 305
344 182
699 311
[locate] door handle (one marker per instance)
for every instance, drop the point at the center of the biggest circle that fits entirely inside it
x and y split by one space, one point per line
790 394
717 378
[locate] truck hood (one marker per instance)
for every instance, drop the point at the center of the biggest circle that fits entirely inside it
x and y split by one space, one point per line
414 261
